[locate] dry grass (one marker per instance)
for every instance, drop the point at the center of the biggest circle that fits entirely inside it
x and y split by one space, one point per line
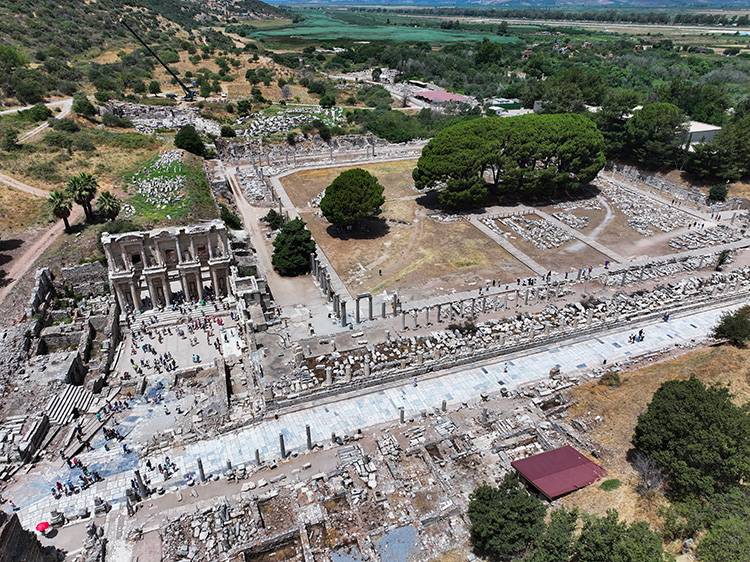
412 253
19 211
49 168
394 176
740 189
619 408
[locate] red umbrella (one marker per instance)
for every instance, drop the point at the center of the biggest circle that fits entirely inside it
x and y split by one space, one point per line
43 526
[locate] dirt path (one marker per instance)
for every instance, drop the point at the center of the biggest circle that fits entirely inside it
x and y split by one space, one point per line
21 264
65 107
20 186
287 291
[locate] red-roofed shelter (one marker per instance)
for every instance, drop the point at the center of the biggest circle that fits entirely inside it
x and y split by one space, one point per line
559 471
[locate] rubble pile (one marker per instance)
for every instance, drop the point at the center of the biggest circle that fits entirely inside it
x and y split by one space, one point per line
695 239
591 204
254 183
313 150
161 183
573 221
285 121
150 118
658 270
444 346
538 232
669 188
646 216
210 533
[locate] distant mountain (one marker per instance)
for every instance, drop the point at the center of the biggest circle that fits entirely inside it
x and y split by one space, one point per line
71 27
572 4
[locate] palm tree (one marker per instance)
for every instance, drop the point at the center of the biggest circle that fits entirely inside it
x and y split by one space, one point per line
108 205
82 189
60 205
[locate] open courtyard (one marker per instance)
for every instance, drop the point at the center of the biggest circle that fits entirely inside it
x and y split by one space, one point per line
409 250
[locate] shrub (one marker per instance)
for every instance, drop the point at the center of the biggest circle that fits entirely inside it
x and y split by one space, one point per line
718 192
112 120
230 218
274 219
65 125
82 106
188 139
734 327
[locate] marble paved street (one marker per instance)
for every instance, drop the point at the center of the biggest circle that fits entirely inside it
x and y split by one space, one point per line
348 414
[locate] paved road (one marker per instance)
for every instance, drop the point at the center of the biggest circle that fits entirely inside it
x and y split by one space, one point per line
66 106
345 414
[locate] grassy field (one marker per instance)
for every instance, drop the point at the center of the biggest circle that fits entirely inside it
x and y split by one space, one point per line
19 210
619 407
196 202
331 26
106 153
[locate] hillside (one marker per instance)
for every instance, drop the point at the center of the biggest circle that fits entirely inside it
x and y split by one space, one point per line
51 47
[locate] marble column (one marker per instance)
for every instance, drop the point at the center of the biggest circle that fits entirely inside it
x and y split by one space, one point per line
121 297
185 286
167 289
215 282
152 292
135 296
199 284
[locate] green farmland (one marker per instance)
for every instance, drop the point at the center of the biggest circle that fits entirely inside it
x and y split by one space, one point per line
324 26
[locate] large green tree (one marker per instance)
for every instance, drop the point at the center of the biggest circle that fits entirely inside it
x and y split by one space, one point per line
292 248
612 119
727 541
82 189
698 437
607 539
189 139
353 196
655 134
60 206
555 544
734 327
505 520
535 154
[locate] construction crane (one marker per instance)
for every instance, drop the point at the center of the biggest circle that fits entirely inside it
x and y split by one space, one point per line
189 94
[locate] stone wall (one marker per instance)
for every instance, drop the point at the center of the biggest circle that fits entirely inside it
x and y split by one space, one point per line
109 346
88 279
19 545
43 290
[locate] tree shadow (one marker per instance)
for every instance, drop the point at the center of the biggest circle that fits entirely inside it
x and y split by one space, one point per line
512 199
9 244
368 229
429 201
